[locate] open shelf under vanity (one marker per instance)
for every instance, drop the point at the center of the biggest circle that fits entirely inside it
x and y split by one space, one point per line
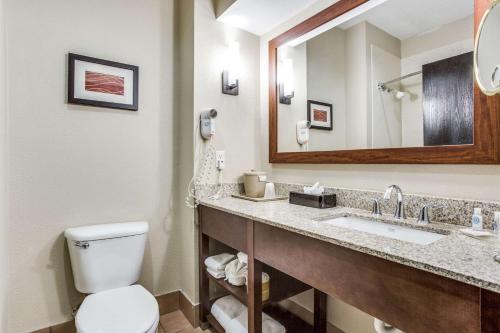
281 288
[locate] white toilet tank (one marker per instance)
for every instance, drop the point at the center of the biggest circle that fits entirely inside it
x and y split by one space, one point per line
106 256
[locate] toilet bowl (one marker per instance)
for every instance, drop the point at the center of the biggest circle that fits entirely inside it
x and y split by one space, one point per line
124 310
106 261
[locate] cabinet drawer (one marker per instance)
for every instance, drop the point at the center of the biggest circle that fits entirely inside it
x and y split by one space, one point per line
224 227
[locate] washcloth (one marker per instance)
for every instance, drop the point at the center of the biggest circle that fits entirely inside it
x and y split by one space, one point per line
236 273
242 257
218 262
240 324
226 308
216 274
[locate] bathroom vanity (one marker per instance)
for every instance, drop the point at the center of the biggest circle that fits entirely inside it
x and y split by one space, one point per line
446 283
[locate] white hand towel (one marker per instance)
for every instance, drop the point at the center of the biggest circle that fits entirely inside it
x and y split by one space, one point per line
242 257
227 308
240 324
216 274
219 262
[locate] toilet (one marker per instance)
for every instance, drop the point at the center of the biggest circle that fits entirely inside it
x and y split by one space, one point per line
106 261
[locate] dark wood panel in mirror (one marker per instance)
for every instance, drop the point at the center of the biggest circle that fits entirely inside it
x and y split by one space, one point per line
448 121
484 148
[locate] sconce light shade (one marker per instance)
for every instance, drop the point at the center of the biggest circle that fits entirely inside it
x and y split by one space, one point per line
231 73
286 84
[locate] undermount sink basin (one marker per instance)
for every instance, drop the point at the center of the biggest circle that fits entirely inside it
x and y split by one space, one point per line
386 230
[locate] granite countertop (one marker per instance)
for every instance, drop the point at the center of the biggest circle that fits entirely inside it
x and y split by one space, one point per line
455 256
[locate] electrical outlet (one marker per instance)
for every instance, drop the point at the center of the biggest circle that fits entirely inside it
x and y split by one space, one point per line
220 159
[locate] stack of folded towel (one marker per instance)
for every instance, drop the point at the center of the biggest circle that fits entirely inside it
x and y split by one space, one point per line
216 265
233 317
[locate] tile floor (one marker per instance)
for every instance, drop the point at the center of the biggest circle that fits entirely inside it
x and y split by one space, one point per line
175 322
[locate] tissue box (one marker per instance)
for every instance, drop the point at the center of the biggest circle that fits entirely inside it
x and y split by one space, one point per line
311 200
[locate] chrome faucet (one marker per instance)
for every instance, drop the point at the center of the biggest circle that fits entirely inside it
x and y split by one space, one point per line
376 208
400 208
423 216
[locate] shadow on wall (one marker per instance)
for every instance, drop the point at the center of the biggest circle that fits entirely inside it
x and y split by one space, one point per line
67 294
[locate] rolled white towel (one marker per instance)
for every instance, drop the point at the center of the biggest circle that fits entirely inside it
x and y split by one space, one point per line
219 262
227 308
216 274
242 257
240 324
236 273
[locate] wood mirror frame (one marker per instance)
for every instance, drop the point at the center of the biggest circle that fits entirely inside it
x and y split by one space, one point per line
486 147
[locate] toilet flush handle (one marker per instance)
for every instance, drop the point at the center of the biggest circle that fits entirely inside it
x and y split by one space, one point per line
82 245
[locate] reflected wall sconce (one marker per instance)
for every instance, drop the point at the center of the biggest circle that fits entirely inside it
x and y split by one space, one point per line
286 82
231 72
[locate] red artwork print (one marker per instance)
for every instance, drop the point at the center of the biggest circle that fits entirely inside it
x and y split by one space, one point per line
104 83
320 115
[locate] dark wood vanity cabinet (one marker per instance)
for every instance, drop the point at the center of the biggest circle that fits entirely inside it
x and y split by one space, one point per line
409 298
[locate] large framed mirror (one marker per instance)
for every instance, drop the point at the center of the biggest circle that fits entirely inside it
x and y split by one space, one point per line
382 81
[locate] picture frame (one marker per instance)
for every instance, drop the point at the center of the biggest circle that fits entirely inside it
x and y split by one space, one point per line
320 115
102 83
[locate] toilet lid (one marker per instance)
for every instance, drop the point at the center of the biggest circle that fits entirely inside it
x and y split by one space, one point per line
129 309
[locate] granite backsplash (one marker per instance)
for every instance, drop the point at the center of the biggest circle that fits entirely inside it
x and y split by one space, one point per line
447 210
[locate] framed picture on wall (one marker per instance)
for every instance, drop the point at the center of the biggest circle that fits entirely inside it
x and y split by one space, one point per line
320 115
102 83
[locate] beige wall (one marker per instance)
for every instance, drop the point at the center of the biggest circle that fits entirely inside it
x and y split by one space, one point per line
3 208
290 114
326 81
356 86
476 182
72 165
383 53
183 144
237 122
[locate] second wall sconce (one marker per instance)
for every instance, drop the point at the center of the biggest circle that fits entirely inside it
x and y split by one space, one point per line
286 82
231 72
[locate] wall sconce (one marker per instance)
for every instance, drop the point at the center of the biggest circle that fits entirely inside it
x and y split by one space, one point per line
231 73
286 84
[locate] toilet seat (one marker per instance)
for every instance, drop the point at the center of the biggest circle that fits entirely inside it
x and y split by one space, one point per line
129 309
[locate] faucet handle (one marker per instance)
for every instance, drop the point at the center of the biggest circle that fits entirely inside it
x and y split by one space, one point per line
376 208
423 216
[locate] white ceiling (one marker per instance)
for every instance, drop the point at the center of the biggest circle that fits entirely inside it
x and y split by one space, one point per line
414 17
261 16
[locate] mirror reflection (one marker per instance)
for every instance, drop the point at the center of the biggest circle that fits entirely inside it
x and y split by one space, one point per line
399 74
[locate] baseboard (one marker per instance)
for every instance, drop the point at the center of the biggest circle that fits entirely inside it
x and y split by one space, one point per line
167 303
190 310
67 327
306 315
